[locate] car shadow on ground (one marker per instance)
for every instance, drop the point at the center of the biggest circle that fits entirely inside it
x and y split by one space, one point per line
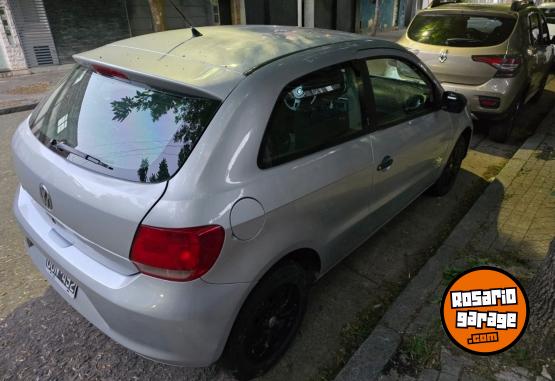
46 338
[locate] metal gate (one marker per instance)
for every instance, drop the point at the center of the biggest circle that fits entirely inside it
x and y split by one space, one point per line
34 32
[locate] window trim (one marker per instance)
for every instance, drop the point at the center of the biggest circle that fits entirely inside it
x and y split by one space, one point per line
364 118
532 42
436 93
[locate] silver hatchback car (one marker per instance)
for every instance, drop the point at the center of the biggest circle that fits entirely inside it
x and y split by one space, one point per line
182 191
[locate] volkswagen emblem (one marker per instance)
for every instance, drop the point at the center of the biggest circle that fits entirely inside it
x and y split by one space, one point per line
45 197
443 56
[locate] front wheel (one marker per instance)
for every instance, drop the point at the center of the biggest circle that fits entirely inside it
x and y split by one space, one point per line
267 322
447 179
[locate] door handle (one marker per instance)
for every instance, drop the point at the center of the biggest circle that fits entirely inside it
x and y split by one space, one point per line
386 163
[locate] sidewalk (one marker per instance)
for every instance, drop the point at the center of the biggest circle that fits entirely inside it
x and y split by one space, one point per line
23 92
511 226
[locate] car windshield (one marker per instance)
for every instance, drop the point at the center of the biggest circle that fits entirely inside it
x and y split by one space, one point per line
461 30
549 14
140 134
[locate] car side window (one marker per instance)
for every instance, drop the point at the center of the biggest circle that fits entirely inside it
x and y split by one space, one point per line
316 111
544 29
400 91
535 33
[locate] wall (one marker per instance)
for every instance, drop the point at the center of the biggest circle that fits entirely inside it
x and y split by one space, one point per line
283 12
325 14
199 12
386 22
11 50
83 25
346 15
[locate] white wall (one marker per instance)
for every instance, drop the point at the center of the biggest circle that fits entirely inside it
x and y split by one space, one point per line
11 47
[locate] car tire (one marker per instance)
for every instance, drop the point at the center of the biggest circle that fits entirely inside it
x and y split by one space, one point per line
449 174
267 322
501 130
540 91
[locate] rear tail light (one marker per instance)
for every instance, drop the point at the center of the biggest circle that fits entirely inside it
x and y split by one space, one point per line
176 254
507 66
108 72
489 102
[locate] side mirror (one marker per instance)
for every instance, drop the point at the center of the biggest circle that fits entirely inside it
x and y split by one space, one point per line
453 102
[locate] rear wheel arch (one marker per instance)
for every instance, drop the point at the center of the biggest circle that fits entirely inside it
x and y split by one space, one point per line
307 258
291 271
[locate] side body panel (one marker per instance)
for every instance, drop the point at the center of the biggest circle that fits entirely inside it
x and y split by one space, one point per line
319 201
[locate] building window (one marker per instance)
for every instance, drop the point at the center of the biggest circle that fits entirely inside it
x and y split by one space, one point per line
6 25
216 11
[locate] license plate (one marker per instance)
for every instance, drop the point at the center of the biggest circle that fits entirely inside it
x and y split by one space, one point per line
63 280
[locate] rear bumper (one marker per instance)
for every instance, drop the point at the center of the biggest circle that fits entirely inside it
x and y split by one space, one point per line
506 89
178 323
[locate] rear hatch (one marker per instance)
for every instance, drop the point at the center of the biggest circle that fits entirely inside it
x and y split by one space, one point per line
104 148
447 40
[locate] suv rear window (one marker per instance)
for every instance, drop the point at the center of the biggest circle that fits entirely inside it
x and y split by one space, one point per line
462 30
141 134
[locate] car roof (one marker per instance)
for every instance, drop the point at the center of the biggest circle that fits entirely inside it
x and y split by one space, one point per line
479 8
216 61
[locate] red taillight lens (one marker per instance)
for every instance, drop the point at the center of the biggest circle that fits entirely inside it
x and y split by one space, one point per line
507 66
489 102
109 72
176 254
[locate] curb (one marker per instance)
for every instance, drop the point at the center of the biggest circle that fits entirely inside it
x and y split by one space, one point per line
370 359
24 107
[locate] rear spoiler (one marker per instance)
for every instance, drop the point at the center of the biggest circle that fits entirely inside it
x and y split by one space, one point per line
116 71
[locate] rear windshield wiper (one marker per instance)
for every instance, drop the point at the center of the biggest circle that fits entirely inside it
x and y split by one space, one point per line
61 146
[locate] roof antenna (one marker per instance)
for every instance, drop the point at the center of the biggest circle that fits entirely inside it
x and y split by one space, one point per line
195 32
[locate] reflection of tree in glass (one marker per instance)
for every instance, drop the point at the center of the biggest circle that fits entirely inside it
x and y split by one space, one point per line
143 170
163 173
191 115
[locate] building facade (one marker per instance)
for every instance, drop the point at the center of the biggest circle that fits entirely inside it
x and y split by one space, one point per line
12 58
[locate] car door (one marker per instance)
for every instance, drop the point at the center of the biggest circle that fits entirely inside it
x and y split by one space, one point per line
410 132
546 40
317 145
536 52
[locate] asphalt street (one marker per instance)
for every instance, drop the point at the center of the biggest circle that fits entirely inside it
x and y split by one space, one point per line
42 337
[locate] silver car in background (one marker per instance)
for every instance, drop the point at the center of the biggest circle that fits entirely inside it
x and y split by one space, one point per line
181 191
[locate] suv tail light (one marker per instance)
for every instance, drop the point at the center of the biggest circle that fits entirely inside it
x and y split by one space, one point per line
489 102
507 66
176 254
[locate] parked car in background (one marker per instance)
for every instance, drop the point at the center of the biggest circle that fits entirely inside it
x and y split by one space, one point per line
548 10
182 191
498 56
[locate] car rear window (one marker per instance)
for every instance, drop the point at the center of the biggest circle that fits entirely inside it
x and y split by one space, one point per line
549 14
461 30
141 134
